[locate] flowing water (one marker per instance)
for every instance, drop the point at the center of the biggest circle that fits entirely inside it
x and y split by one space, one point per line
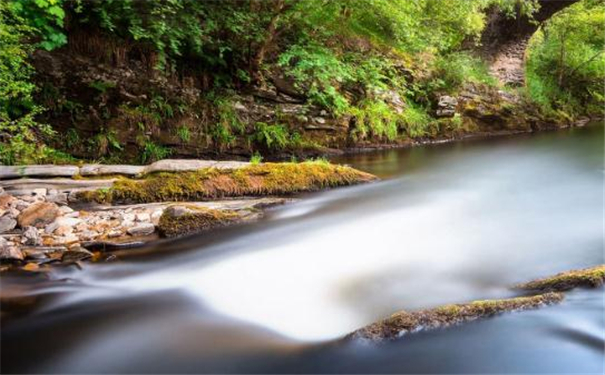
448 223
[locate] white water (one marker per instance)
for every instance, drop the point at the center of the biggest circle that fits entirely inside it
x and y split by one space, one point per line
473 220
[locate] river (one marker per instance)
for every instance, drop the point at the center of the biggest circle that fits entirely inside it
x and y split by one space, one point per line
448 223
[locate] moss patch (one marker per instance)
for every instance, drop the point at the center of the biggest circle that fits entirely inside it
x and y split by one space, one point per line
590 278
404 322
181 221
209 184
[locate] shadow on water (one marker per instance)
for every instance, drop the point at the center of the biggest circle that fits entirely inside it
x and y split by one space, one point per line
450 223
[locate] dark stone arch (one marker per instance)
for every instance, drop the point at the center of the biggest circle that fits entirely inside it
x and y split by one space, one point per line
505 39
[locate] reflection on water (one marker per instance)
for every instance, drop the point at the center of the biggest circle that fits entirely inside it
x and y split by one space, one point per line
449 223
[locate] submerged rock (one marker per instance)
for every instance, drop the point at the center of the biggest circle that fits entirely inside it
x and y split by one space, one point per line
589 277
180 220
405 322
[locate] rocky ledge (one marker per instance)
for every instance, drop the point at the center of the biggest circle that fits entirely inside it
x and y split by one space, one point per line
56 220
549 291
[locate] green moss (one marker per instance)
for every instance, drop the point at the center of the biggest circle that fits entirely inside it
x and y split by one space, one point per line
405 322
208 184
590 277
194 220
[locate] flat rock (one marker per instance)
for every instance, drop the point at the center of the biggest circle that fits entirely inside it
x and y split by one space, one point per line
8 172
100 170
27 186
38 215
141 229
176 165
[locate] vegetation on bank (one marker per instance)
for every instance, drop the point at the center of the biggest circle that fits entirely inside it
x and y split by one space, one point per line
566 61
209 184
155 77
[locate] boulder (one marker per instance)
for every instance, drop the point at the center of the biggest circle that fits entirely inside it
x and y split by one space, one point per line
7 223
38 215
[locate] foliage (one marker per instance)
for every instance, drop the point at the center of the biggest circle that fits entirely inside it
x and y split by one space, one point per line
256 158
183 133
273 137
45 17
154 152
450 72
20 133
566 61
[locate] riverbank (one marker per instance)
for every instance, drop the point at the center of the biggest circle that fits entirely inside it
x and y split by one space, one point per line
61 215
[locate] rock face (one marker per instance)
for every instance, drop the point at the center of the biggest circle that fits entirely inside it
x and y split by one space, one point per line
38 215
447 106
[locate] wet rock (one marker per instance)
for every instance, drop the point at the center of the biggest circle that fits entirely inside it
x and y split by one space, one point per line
7 224
75 254
38 215
588 278
42 252
141 230
404 322
30 236
9 252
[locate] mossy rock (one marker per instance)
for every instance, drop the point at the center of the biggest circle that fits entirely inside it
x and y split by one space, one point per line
588 278
178 221
405 322
209 184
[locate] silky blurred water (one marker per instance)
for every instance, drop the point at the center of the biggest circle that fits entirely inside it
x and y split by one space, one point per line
448 223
